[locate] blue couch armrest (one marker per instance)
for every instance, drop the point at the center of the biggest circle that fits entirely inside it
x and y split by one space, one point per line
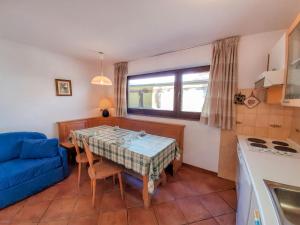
64 158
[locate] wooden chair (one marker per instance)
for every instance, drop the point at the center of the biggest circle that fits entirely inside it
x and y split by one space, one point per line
81 157
101 170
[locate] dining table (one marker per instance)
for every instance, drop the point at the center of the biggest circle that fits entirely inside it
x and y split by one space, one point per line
145 154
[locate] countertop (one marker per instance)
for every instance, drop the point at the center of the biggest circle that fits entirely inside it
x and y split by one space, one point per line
281 169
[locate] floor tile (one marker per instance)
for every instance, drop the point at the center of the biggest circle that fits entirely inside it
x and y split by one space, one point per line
106 186
220 184
112 201
206 222
215 204
171 178
89 220
169 213
23 223
228 219
132 182
84 207
141 216
60 222
59 209
32 212
229 197
179 189
199 186
193 209
67 190
118 217
161 195
7 214
186 173
133 198
46 195
183 200
85 188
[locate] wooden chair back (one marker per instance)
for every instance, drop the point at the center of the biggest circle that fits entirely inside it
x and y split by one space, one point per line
89 155
75 143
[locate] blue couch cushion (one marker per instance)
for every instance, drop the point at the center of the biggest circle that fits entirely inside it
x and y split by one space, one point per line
17 171
39 148
11 143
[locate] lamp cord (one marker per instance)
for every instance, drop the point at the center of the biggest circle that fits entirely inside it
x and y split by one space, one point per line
101 63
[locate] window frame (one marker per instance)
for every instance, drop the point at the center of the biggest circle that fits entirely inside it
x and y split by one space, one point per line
176 112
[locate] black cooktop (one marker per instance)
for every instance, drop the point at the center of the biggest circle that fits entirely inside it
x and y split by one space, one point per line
258 145
257 140
285 149
280 143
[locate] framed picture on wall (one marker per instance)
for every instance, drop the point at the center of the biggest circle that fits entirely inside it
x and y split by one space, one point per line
63 87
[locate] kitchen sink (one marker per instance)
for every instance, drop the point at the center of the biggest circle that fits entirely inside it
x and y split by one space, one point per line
286 200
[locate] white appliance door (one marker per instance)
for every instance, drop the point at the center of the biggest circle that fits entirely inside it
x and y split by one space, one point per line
244 192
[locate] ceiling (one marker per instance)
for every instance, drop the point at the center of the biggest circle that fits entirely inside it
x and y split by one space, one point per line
132 29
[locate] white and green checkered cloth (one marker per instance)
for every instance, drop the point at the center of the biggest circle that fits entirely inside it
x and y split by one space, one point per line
146 155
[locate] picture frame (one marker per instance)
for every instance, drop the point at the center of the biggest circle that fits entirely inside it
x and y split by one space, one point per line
63 87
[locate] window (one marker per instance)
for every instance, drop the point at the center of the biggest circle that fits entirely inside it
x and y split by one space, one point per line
176 93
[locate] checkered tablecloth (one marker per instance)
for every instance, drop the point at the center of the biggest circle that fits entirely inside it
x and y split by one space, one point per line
146 155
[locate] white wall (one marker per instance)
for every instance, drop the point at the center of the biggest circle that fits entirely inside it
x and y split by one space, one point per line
201 143
27 90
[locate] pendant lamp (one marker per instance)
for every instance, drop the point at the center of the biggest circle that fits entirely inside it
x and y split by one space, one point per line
101 79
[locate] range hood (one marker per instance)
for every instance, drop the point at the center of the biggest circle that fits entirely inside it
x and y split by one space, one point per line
270 78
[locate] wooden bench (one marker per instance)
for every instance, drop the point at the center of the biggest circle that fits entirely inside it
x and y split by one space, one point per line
175 131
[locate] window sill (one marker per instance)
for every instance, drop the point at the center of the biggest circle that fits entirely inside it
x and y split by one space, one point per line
165 117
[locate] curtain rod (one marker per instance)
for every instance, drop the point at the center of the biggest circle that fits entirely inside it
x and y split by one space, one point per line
172 51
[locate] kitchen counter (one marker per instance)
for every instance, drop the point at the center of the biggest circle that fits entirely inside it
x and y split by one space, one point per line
260 165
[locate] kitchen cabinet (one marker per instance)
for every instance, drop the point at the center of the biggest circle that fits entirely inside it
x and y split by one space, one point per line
244 191
277 55
276 64
272 80
292 66
247 203
254 211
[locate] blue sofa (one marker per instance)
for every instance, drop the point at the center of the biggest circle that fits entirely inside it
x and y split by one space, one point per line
22 175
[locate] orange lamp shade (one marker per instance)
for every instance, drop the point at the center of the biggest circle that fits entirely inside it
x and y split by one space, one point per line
105 103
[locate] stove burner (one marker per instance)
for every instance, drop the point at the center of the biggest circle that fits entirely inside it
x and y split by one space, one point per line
257 140
281 143
285 149
258 145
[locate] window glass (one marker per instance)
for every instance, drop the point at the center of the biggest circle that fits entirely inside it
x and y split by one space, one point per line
155 93
194 88
175 93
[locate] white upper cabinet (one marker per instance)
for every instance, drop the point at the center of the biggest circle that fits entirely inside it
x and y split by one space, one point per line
292 66
277 55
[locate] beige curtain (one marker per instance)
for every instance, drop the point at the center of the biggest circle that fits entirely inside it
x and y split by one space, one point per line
219 109
120 80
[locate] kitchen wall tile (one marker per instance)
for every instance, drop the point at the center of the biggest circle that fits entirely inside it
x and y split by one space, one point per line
240 109
278 133
263 109
256 122
261 131
248 130
240 117
277 110
262 121
288 111
249 119
287 122
276 120
295 126
250 111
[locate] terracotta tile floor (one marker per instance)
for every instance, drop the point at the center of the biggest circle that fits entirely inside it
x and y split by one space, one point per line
191 197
